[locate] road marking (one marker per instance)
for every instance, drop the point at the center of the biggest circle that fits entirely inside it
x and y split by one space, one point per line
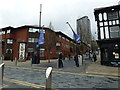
24 83
46 68
86 74
110 74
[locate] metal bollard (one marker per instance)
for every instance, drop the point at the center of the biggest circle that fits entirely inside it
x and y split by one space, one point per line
15 61
1 74
49 78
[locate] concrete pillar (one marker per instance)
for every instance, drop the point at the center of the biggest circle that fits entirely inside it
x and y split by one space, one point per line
1 74
49 78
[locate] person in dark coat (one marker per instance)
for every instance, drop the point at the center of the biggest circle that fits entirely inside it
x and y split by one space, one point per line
35 58
94 57
60 63
76 60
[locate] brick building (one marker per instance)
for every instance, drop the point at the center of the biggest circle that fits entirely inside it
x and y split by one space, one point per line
20 42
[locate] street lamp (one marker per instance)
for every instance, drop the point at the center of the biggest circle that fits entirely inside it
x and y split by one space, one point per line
77 50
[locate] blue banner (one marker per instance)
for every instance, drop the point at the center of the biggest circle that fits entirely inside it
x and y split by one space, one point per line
41 38
77 37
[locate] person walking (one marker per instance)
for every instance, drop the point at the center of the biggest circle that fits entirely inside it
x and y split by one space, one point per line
60 63
94 57
76 60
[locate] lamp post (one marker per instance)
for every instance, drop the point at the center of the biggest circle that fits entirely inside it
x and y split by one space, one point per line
38 47
77 50
40 16
73 36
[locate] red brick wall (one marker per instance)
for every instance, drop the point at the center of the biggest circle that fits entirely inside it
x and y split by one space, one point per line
21 35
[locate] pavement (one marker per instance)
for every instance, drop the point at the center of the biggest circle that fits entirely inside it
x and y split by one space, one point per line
88 67
69 65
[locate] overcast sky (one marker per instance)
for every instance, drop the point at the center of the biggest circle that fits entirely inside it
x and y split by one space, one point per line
26 12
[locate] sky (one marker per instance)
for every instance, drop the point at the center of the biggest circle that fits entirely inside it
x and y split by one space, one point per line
26 12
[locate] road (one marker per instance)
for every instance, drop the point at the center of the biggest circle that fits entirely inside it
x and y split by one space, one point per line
68 77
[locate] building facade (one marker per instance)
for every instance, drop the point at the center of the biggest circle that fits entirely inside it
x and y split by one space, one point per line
84 30
108 27
20 42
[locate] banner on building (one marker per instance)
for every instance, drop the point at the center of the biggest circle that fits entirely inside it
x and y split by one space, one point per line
22 51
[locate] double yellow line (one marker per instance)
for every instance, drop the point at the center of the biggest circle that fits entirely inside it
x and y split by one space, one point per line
24 83
82 74
56 71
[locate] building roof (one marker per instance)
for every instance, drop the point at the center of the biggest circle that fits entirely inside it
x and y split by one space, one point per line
108 8
82 18
6 28
37 27
24 26
61 33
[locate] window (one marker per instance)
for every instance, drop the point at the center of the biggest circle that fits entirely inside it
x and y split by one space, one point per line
57 51
30 49
63 38
67 40
57 43
33 40
42 50
8 50
112 15
8 31
9 41
114 31
60 36
3 32
35 30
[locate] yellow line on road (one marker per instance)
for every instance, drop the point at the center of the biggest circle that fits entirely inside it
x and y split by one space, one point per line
103 73
24 83
71 73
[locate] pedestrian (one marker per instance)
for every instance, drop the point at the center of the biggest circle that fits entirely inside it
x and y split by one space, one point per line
35 57
60 63
94 57
76 60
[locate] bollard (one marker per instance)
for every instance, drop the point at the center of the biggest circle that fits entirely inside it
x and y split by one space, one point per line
49 78
1 60
57 63
31 62
1 74
15 61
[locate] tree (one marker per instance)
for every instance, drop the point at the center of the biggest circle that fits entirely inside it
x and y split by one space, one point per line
94 45
50 42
